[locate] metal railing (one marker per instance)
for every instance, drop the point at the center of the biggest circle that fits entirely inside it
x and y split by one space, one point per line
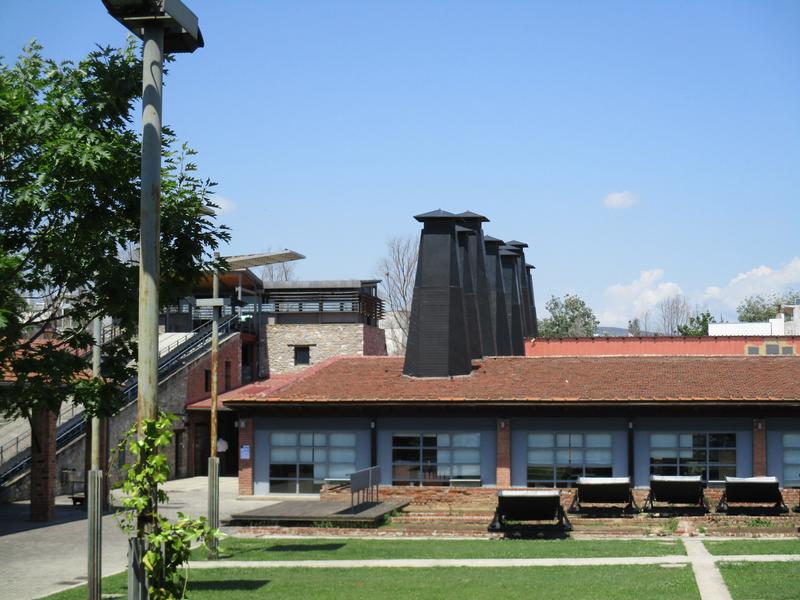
364 485
168 363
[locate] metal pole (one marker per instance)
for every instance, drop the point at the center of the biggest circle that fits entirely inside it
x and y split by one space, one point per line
213 460
152 70
94 488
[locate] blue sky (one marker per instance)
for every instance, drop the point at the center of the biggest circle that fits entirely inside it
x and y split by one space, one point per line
640 148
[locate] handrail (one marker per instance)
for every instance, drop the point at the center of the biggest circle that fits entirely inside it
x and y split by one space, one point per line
76 424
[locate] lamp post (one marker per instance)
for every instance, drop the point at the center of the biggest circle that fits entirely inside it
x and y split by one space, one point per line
242 261
163 26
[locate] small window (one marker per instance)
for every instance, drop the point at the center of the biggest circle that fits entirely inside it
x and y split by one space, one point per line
302 355
752 350
787 351
773 349
207 385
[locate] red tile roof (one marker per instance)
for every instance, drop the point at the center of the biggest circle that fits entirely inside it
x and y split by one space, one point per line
544 380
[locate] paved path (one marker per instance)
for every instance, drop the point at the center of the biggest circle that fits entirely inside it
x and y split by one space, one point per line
706 574
40 559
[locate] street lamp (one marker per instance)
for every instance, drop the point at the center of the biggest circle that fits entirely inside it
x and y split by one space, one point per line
239 261
162 25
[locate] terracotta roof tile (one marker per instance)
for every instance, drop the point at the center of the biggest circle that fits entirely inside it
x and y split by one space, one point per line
542 379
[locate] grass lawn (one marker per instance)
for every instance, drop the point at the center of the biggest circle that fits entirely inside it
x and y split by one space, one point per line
576 583
332 549
721 548
762 581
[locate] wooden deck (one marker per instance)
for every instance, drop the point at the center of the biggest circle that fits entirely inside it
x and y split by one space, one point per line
318 512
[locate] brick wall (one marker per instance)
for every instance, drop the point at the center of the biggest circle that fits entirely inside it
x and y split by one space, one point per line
43 465
246 438
324 341
503 469
759 447
229 351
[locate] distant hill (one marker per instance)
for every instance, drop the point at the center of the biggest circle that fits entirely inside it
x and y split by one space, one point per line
603 331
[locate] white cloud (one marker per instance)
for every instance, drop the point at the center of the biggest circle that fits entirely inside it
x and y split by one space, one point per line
760 280
620 200
226 205
622 302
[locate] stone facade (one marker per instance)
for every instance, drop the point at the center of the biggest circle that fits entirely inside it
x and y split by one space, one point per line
323 340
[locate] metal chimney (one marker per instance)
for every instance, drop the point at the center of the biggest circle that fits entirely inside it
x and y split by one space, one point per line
509 258
482 339
438 343
498 311
529 268
528 322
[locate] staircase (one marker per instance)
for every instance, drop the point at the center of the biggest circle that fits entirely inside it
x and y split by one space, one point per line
15 452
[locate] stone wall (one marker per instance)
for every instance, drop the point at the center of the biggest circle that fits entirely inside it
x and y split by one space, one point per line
324 341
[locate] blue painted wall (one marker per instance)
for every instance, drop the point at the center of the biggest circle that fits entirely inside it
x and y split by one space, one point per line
520 428
775 430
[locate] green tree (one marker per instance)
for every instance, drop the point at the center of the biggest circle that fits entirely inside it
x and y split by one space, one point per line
760 308
69 208
697 325
634 327
569 317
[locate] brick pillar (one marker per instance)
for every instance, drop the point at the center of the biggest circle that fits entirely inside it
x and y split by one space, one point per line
503 473
43 465
759 447
246 464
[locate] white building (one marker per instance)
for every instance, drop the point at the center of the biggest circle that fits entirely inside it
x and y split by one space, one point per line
787 322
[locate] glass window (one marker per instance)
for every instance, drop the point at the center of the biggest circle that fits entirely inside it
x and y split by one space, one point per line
558 460
451 458
711 455
752 350
301 461
787 350
302 355
791 459
773 349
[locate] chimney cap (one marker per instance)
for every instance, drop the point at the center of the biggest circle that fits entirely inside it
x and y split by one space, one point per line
471 215
517 244
492 240
529 266
435 215
509 251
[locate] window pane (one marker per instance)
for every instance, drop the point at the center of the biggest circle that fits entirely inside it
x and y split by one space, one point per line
340 471
308 486
443 470
672 455
787 350
307 455
443 439
466 456
342 439
342 455
282 487
407 440
405 455
283 439
283 455
283 471
722 456
791 440
467 440
773 349
540 440
306 439
722 440
598 471
305 471
540 473
576 440
429 440
540 457
598 457
320 471
467 471
698 440
320 439
752 350
320 455
562 440
598 440
791 457
444 456
405 472
663 440
693 469
664 470
568 473
791 475
687 440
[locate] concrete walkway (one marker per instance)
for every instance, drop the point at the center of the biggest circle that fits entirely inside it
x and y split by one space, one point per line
706 574
37 559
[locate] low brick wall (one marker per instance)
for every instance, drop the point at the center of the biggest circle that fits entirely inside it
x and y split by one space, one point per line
464 500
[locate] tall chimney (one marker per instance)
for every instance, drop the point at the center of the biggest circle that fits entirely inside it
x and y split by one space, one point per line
438 344
528 323
529 268
482 339
509 257
498 311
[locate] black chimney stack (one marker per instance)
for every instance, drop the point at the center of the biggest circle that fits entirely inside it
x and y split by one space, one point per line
497 296
510 259
526 293
438 343
479 322
529 268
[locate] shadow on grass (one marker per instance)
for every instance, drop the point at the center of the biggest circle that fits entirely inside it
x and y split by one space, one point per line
227 585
